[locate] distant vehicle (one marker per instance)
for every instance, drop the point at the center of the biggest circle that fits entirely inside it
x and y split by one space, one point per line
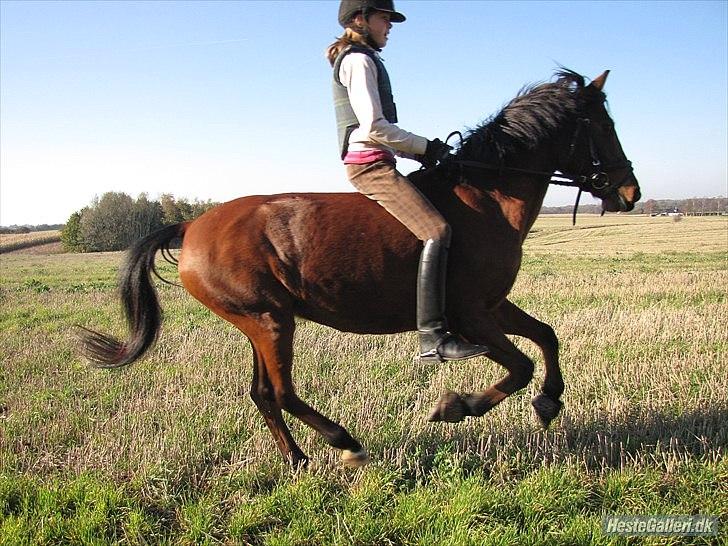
673 212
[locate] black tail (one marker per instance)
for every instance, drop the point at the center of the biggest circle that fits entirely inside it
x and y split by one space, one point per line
141 306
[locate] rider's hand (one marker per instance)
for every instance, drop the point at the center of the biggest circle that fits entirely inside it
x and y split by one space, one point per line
436 151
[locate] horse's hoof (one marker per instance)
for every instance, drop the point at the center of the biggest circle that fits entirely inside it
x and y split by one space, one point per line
298 463
450 408
546 409
355 459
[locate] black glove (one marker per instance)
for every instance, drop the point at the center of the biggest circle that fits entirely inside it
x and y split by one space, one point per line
436 151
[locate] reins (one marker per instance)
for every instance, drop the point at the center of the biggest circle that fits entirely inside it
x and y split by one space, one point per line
597 182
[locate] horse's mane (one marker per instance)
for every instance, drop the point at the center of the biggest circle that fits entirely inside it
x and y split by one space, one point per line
535 114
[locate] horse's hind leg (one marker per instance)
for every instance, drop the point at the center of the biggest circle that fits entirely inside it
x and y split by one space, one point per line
515 321
261 391
453 407
274 341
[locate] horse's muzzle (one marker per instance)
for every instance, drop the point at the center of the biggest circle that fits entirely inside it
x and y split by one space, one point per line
624 197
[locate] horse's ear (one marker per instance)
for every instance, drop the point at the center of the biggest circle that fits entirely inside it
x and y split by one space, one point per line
599 81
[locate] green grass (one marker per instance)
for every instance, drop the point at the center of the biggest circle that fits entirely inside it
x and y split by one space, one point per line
172 450
454 505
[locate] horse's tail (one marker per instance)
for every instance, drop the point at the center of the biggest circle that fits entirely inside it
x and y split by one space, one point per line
139 298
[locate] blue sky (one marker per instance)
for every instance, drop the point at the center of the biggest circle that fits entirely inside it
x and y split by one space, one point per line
214 100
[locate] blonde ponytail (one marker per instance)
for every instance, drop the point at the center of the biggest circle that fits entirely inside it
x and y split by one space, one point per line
350 37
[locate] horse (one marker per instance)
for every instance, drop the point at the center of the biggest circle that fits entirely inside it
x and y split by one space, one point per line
341 260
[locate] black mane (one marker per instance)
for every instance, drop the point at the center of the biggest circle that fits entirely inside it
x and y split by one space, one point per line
535 114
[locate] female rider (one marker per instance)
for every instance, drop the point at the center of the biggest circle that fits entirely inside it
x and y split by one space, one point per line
368 139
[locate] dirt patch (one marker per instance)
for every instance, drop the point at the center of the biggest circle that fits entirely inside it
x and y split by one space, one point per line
49 248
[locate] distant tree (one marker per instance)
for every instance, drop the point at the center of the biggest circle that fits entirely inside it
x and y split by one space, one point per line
170 211
107 224
181 210
185 210
71 233
14 230
649 206
200 207
146 218
46 227
114 221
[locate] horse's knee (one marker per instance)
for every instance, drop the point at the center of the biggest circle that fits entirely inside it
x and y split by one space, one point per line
261 393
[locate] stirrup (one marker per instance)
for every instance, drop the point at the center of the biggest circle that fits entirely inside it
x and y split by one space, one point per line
431 356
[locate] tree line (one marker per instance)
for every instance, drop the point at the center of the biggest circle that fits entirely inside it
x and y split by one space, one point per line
652 206
688 206
115 220
18 230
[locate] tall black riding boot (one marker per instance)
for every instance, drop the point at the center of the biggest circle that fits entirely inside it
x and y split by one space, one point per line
436 343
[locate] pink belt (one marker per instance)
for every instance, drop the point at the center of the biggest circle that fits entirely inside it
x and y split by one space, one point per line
367 156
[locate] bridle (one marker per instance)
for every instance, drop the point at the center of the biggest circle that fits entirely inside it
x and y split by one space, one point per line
595 181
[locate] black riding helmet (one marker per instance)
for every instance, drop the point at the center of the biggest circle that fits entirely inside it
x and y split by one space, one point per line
349 8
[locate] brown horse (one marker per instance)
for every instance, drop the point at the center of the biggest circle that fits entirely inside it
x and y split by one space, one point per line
343 261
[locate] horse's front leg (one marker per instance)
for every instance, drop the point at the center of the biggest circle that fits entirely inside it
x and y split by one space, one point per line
453 407
513 320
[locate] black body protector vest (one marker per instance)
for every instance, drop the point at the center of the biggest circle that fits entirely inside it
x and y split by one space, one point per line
346 120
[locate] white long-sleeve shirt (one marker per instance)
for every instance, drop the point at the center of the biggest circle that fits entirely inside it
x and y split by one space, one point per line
358 74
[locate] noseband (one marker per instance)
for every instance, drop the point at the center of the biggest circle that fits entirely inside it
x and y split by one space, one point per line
596 181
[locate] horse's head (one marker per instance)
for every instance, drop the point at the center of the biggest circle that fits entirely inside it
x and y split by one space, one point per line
595 155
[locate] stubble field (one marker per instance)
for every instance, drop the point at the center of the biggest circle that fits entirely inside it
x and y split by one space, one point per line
172 449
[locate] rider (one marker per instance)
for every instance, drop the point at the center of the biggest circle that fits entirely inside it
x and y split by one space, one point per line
368 139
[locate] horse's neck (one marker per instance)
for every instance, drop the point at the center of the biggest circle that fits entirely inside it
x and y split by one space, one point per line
517 197
539 189
520 202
